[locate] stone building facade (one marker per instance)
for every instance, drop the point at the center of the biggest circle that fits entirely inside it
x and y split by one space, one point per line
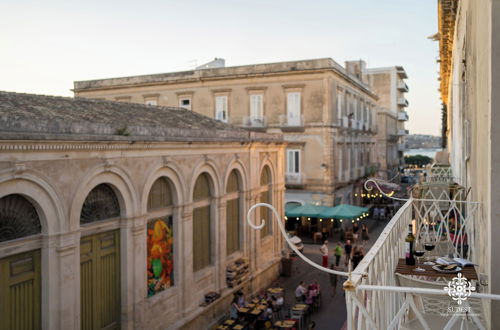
326 113
100 203
390 86
469 48
388 151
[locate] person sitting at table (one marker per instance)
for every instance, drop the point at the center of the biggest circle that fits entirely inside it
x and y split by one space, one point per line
300 292
310 295
241 299
234 308
315 285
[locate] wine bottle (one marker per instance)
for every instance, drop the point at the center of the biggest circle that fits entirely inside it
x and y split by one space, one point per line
409 246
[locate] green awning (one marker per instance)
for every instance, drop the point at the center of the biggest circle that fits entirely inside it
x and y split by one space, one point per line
308 210
343 211
290 206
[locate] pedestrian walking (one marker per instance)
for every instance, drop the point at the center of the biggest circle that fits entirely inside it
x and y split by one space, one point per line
357 255
355 232
382 213
347 252
338 253
333 280
364 234
324 252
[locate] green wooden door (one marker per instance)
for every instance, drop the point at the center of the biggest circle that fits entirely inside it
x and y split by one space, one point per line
100 281
20 291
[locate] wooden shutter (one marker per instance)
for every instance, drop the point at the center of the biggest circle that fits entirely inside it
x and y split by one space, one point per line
201 238
100 275
20 304
233 225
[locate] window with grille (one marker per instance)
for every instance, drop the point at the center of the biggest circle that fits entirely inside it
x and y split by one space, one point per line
159 195
100 204
18 218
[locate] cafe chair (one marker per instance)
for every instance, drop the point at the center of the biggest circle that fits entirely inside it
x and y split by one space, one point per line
432 307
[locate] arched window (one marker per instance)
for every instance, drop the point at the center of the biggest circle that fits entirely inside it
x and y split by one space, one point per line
100 204
202 222
18 218
160 237
233 214
159 195
265 197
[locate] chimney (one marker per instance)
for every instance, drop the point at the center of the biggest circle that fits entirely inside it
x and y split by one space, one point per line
356 68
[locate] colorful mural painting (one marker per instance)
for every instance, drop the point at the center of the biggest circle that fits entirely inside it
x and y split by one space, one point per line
160 255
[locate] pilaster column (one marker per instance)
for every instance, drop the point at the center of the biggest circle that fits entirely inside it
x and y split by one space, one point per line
186 262
220 246
133 266
61 281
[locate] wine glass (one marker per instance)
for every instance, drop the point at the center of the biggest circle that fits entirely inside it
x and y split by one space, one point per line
429 246
418 252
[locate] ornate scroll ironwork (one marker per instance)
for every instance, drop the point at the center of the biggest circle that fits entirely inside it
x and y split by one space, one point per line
100 204
18 218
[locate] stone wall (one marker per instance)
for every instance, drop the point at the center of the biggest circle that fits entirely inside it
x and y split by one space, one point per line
57 177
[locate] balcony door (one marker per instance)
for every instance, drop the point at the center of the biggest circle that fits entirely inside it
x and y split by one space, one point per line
221 108
293 109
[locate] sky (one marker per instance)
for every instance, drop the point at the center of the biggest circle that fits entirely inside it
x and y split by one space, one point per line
46 45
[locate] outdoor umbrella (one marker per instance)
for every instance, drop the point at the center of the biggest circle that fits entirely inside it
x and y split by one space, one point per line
308 210
343 211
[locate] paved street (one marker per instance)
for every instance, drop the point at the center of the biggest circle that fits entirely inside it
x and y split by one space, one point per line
332 314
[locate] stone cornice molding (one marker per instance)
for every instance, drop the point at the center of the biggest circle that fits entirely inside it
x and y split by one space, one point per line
23 146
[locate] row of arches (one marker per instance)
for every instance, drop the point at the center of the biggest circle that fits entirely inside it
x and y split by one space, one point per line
105 203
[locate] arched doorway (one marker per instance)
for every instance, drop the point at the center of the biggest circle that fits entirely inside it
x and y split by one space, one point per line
160 237
100 261
20 276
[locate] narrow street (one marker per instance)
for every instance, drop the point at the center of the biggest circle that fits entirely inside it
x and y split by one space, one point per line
332 313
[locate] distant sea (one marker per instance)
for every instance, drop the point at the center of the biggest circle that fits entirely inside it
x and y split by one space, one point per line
429 152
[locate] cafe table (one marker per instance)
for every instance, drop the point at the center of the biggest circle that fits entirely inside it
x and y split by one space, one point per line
469 272
287 324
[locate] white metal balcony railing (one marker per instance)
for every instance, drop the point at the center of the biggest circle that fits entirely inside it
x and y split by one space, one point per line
291 121
437 173
345 121
403 116
403 131
403 102
373 298
293 178
402 86
254 121
356 124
